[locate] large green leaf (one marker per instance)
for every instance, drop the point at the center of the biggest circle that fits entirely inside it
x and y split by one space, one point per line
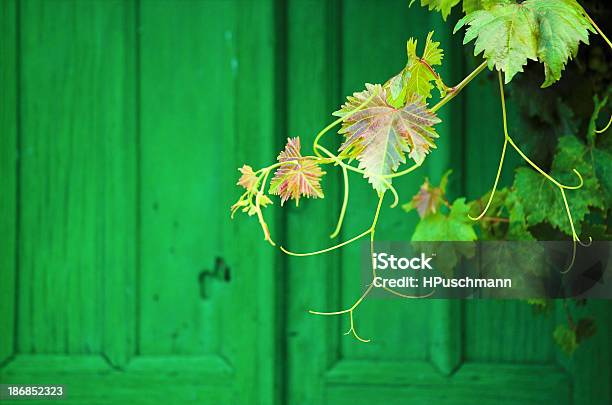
456 226
542 200
510 34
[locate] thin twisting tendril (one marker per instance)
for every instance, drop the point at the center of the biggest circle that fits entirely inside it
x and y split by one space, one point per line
367 291
562 188
499 170
599 31
508 139
350 310
604 129
344 203
329 249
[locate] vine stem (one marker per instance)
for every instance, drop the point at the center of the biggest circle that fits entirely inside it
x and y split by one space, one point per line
508 139
562 188
599 31
453 91
262 222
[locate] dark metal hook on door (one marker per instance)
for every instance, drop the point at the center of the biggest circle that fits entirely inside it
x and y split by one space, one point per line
219 273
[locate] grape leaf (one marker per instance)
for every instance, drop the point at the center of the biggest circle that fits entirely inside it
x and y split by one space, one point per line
439 227
420 78
602 163
443 6
396 96
566 339
248 179
517 226
249 204
585 328
592 128
415 79
601 157
380 135
473 5
541 306
297 179
542 200
428 199
510 34
456 226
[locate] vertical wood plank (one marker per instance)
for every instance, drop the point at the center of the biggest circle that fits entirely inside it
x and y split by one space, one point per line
313 85
507 331
590 365
445 347
255 141
208 106
8 174
77 178
447 322
186 147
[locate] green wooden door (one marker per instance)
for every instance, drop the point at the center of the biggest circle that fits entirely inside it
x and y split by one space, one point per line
121 125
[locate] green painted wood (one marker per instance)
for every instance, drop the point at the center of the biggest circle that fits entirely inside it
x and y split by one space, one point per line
259 306
200 116
446 342
507 331
313 35
590 366
90 381
473 383
8 177
180 113
77 178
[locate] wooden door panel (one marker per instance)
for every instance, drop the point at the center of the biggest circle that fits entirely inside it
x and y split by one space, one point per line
77 179
133 117
8 179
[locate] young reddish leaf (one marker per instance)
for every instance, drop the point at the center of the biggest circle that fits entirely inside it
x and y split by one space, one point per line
248 179
428 199
380 135
300 177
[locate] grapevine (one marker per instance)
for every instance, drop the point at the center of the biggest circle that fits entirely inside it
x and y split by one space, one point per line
384 127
